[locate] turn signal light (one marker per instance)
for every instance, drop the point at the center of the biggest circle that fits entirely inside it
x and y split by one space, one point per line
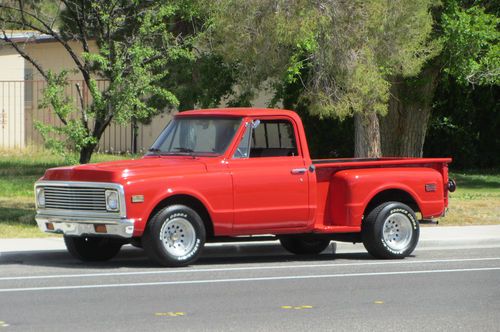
100 228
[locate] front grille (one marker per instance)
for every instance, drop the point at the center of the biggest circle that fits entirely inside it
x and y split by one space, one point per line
75 198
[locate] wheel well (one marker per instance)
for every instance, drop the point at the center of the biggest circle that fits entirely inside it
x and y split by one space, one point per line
191 202
395 195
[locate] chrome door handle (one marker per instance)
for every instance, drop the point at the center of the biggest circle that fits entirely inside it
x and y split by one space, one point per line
299 170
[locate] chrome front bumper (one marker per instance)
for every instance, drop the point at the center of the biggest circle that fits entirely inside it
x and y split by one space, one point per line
79 226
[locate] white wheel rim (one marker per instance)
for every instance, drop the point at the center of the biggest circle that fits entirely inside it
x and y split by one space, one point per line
397 231
178 237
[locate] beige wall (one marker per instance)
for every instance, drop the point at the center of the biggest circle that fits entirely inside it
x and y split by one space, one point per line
52 56
11 99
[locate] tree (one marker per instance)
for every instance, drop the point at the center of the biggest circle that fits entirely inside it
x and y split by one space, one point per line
350 51
470 54
464 124
135 41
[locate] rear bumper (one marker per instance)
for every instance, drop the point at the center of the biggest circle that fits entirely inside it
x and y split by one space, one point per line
79 226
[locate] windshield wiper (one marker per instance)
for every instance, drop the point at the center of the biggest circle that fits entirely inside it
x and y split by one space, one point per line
155 151
180 151
187 150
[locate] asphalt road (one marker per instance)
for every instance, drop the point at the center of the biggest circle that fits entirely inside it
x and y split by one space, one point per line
252 287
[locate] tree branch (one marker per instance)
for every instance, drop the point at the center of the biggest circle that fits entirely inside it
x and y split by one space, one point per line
81 23
85 120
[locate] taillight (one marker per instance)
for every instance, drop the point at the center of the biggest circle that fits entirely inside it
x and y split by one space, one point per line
452 186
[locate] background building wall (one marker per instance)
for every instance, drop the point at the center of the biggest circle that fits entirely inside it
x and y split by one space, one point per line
12 116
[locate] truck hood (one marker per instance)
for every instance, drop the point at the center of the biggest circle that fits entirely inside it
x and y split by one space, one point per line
125 170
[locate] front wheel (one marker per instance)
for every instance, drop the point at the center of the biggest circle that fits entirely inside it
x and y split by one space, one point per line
88 248
304 245
390 230
175 236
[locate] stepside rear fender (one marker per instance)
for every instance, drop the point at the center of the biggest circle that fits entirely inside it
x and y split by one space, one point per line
351 191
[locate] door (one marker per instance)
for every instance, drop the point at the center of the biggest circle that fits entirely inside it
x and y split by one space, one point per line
270 181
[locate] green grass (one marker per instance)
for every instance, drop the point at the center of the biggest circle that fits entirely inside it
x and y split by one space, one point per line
477 185
476 201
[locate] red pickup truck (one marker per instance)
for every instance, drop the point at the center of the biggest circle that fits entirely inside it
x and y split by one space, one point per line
236 173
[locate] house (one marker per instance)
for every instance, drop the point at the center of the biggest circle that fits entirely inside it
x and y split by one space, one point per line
21 91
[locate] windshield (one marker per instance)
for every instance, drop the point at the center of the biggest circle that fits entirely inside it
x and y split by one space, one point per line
206 136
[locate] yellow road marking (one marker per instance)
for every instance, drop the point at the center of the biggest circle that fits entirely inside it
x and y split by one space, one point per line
379 302
170 314
3 324
300 307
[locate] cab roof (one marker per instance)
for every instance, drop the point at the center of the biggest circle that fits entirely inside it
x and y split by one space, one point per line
239 112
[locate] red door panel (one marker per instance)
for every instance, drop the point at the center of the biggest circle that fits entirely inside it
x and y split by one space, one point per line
269 193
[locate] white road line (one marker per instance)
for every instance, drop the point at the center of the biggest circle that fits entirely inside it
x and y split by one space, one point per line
214 281
457 247
249 268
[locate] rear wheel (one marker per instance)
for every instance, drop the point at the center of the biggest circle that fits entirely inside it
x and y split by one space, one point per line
89 248
175 236
307 245
390 230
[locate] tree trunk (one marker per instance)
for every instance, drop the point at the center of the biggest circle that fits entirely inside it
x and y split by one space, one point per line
86 153
366 135
403 129
99 126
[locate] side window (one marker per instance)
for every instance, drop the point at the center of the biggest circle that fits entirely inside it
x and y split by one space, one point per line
269 138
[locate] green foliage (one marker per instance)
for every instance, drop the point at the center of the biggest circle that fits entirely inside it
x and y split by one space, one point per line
349 49
328 138
54 95
267 41
466 116
133 61
72 135
465 124
472 44
42 8
364 44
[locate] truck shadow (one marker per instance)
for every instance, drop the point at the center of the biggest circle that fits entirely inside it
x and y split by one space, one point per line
225 255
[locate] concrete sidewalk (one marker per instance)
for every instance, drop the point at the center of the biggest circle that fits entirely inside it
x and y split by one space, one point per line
429 236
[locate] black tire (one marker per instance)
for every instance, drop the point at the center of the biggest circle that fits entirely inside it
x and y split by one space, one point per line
174 236
305 245
390 230
92 249
136 242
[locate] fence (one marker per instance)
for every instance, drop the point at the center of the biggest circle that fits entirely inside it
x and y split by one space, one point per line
20 110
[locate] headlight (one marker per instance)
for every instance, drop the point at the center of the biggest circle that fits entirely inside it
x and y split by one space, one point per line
40 197
112 200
